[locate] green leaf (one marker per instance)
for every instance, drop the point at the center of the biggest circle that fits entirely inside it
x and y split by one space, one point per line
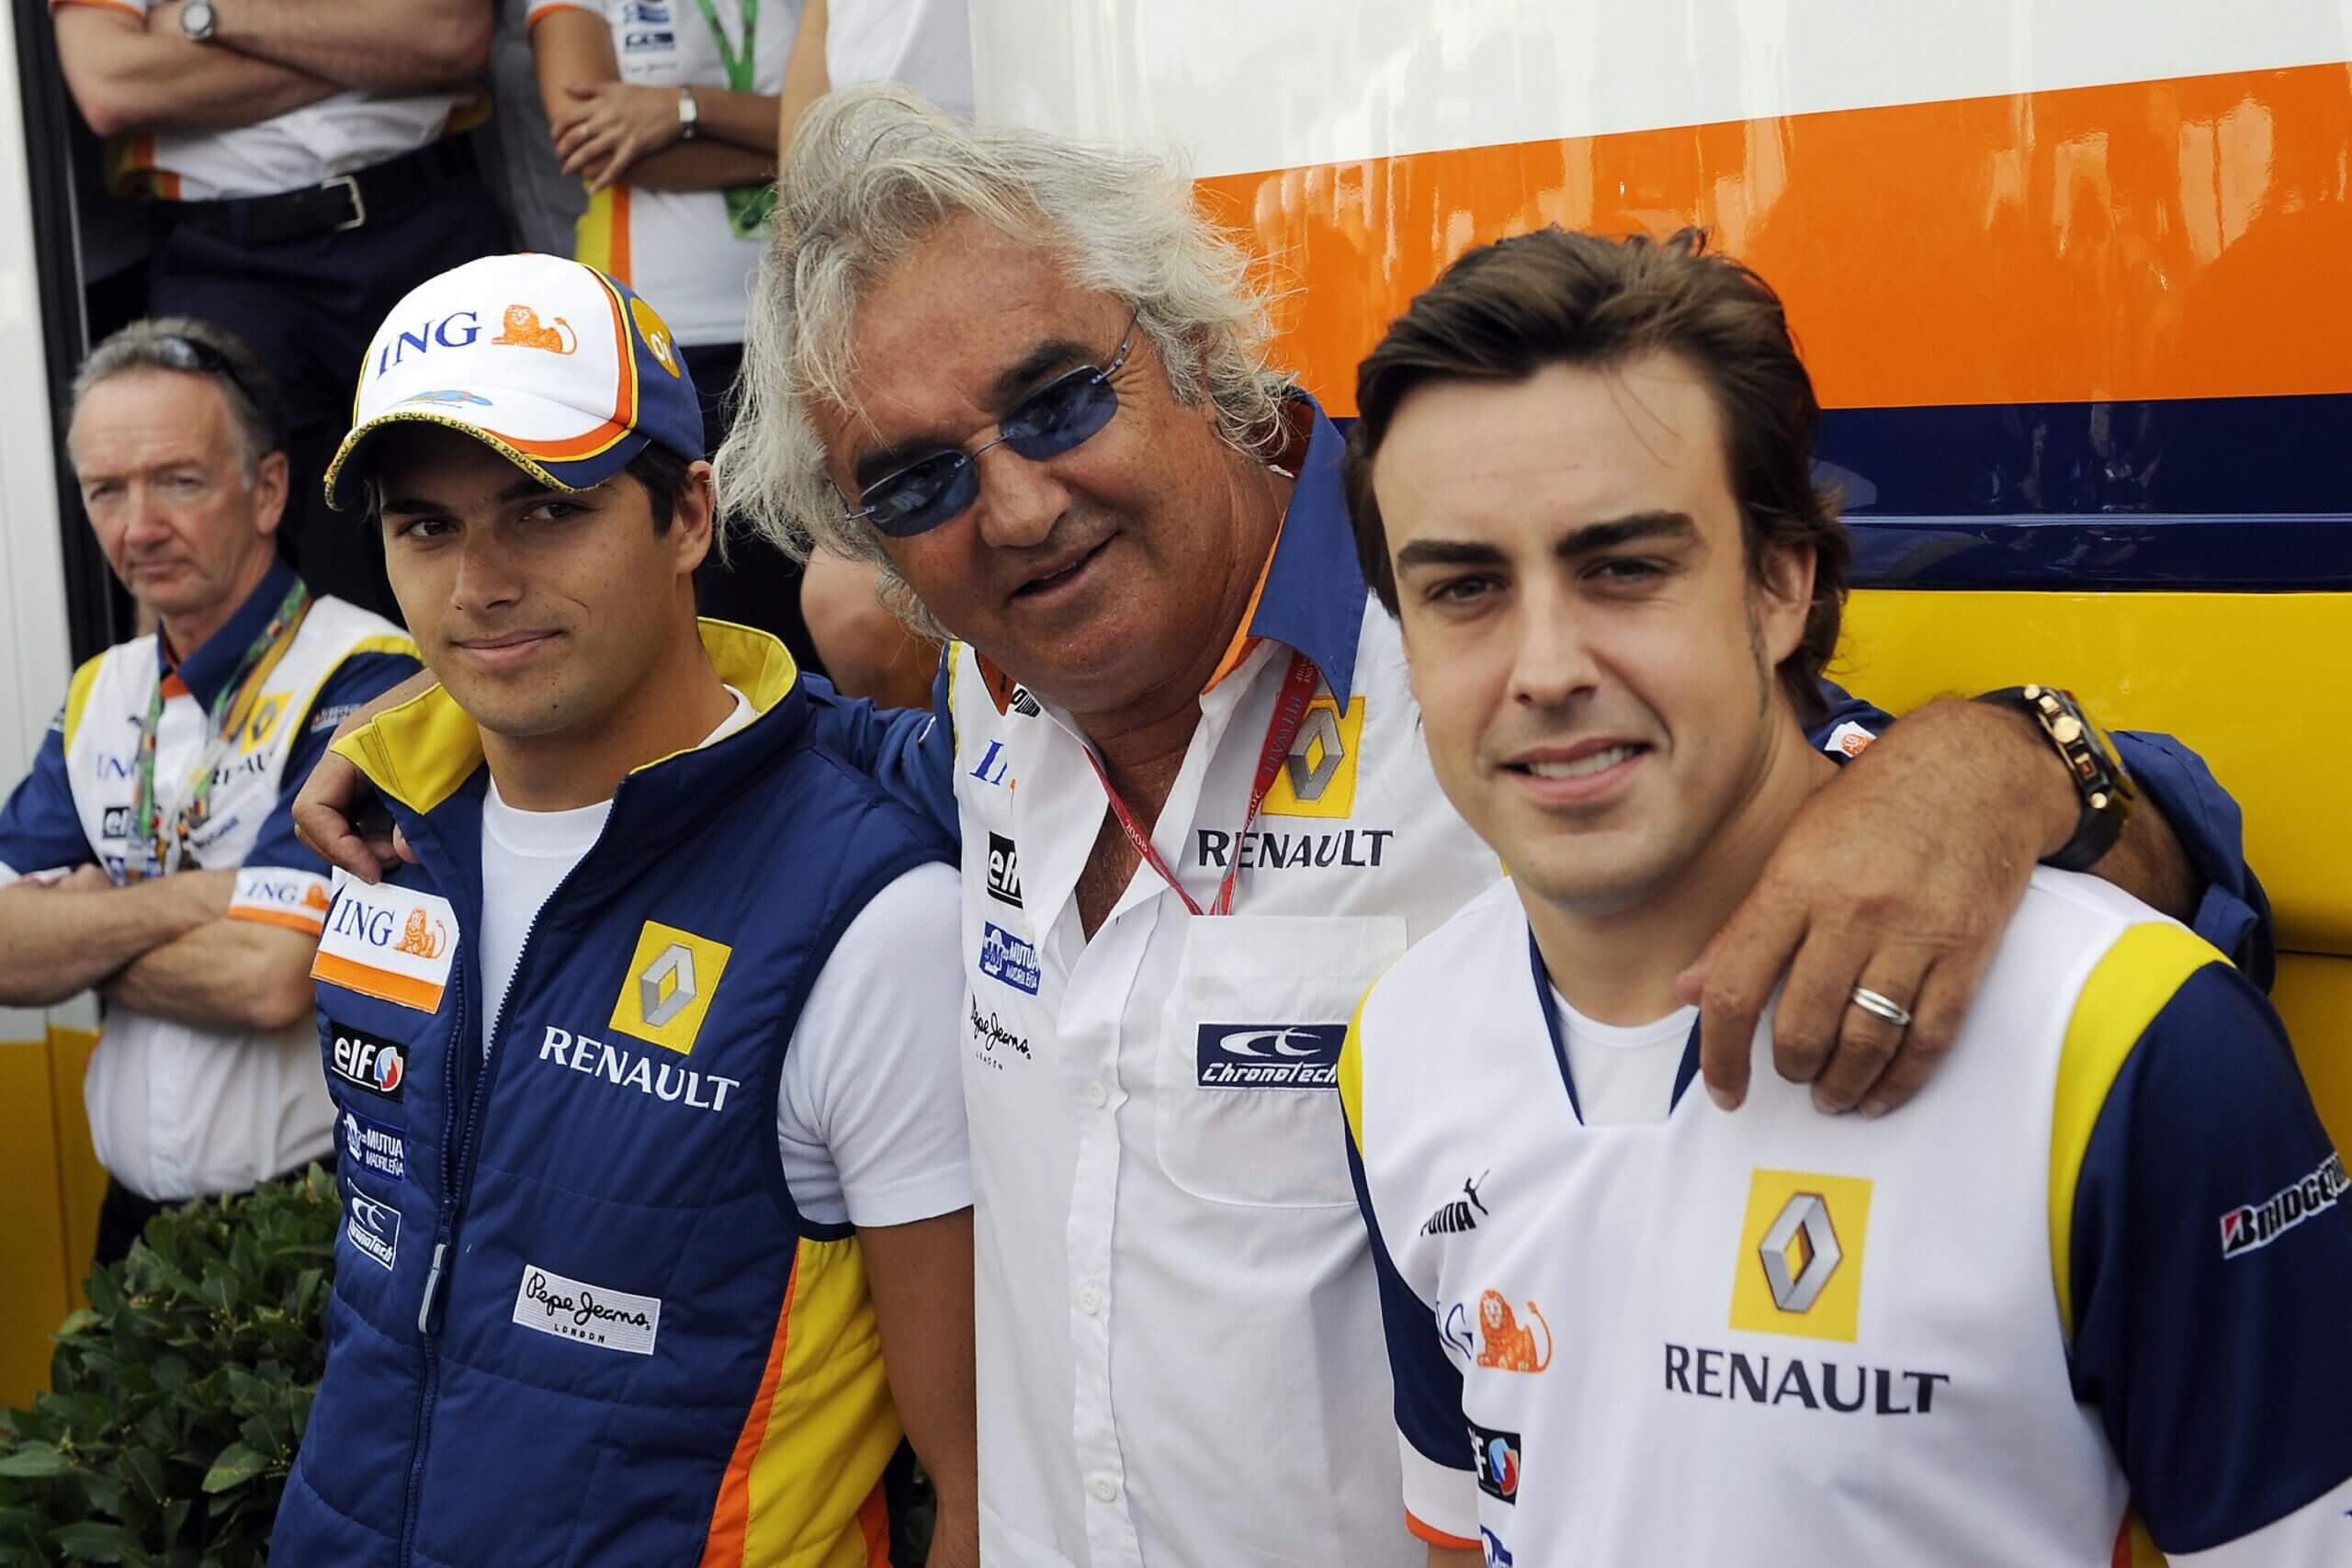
33 1462
236 1465
88 1540
148 1468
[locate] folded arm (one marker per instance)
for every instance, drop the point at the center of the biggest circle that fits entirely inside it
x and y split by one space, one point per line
127 76
63 940
229 976
609 132
369 46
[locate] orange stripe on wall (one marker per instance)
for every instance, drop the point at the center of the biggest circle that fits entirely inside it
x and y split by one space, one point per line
2151 240
730 1518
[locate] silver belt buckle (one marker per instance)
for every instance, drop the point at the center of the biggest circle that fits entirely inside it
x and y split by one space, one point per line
358 203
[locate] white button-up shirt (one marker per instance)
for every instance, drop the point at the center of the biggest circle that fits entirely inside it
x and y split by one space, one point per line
1181 1358
177 1112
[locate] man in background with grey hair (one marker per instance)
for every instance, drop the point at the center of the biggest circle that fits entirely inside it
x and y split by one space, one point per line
150 855
1029 379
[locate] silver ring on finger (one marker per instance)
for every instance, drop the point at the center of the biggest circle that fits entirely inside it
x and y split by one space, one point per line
1878 1006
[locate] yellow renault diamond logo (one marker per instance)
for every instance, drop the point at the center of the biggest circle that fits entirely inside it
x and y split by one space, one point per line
672 978
1318 777
266 713
1801 1255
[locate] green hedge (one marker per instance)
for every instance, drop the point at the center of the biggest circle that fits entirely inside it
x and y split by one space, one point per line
181 1392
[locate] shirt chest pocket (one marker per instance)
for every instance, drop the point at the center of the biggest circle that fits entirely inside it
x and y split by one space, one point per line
1248 1075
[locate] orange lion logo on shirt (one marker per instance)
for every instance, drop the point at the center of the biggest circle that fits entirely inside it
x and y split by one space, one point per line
424 943
522 331
1509 1348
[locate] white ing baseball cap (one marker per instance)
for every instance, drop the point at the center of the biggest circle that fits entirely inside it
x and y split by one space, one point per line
563 370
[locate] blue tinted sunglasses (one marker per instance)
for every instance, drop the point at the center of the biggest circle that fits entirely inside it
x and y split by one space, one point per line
1059 415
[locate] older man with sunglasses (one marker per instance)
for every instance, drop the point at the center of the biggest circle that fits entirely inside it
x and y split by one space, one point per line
150 855
1176 736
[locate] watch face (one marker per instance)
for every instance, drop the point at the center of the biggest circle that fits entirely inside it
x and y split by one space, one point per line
196 19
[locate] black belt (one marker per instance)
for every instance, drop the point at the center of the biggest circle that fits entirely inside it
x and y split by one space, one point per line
341 204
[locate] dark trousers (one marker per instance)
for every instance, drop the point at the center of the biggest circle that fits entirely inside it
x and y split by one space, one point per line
759 586
310 307
123 1216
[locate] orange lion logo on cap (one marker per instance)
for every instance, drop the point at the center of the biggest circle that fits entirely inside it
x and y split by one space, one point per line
523 331
1509 1348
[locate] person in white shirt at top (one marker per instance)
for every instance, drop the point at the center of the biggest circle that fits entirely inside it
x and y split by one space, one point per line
305 165
1031 381
666 110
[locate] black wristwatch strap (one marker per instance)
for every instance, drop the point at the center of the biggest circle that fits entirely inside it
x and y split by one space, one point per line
2101 782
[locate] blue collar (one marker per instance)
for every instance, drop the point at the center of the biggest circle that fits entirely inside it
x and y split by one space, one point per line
1314 597
1682 1074
205 671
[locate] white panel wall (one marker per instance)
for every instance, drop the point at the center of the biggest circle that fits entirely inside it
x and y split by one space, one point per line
1241 85
35 656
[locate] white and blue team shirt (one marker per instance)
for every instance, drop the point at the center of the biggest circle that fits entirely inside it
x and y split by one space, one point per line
177 1112
1179 1331
2082 1299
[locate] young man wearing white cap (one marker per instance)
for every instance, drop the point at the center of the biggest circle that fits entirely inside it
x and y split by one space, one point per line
2085 1296
675 1157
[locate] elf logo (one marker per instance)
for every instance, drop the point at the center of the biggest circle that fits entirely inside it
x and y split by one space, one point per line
1004 870
376 1065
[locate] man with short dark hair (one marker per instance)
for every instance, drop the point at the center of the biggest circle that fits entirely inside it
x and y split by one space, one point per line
664 1228
2098 1262
150 855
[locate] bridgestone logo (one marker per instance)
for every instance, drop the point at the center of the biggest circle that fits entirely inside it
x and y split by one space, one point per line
2250 1228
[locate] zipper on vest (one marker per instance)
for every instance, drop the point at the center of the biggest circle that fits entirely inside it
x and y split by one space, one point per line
457 1174
432 1289
429 1386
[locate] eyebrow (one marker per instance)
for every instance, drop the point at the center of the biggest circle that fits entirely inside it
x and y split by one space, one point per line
1672 526
522 489
1044 361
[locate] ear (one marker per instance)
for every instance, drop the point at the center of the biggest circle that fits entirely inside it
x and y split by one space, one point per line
691 527
1784 599
270 488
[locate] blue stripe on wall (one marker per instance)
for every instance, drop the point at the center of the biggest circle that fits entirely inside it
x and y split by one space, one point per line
2242 493
2238 494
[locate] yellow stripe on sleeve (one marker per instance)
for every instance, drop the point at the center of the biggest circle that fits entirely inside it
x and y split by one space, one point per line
2126 989
78 694
1352 1074
830 1428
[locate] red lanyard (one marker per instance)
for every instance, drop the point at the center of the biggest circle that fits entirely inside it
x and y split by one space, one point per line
1290 712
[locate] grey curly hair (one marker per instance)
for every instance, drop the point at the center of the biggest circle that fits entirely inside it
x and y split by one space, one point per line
872 173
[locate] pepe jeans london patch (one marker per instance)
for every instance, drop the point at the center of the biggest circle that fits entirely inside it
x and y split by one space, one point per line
571 1309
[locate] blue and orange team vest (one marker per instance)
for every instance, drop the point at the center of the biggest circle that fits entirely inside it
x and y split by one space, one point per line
576 1317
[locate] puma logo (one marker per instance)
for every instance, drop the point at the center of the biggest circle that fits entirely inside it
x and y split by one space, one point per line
1507 1347
416 939
523 331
